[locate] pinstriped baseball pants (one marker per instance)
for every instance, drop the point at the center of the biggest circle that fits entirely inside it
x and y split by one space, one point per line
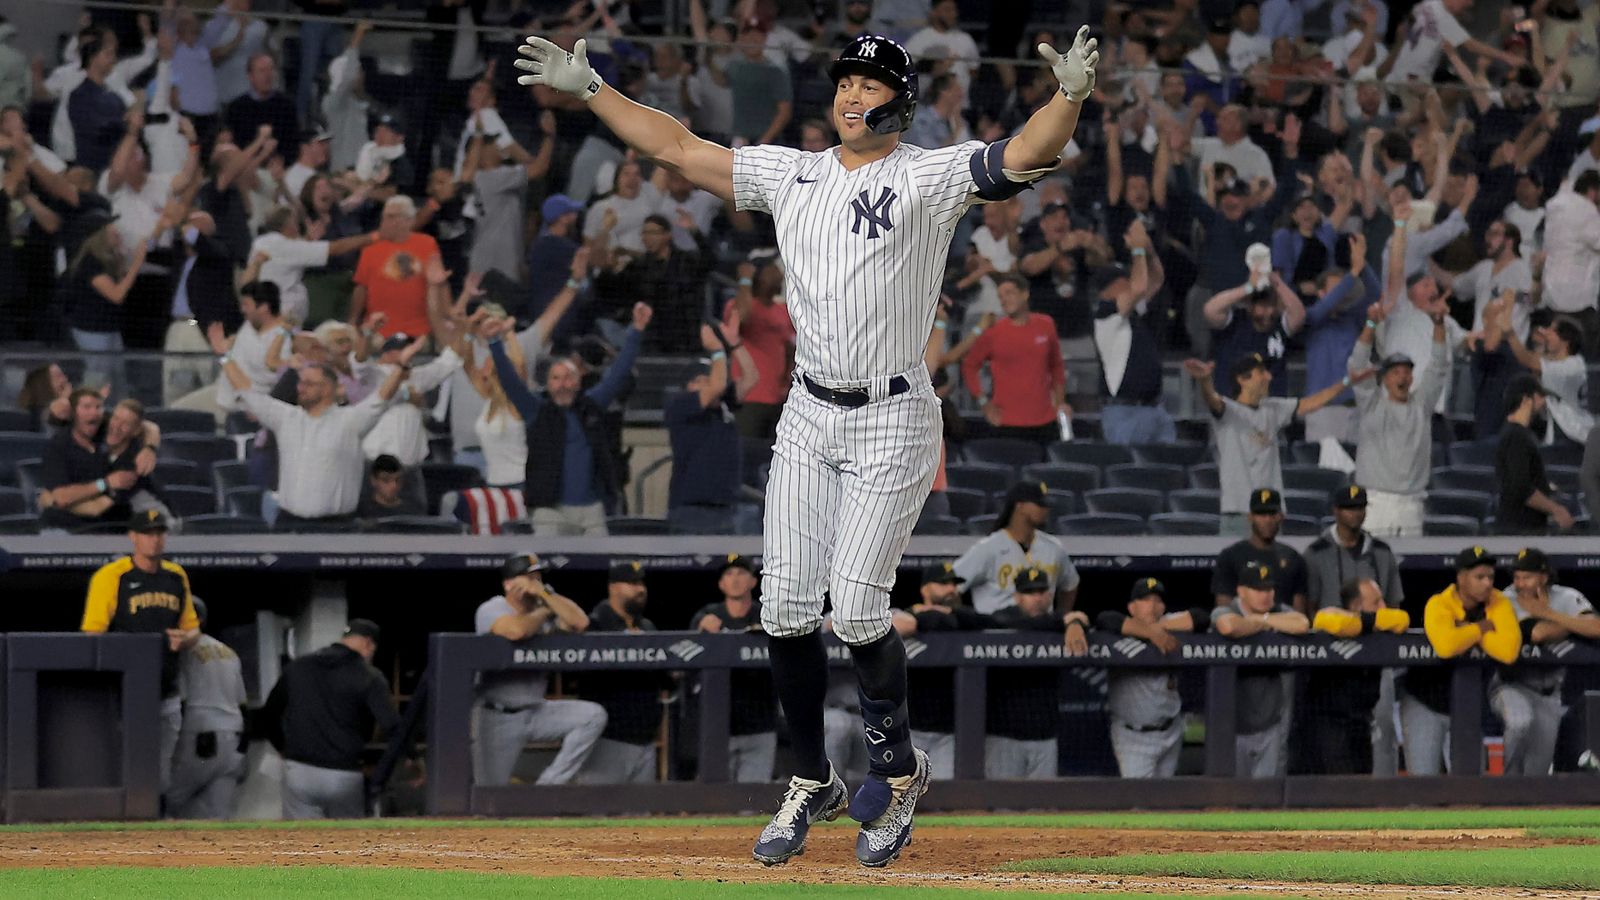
845 489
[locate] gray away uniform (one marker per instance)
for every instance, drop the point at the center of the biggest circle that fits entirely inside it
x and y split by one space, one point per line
208 763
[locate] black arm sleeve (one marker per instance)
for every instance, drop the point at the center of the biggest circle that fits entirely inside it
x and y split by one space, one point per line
1369 621
1527 626
1202 619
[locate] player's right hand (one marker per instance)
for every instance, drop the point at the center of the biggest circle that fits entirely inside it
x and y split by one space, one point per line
555 68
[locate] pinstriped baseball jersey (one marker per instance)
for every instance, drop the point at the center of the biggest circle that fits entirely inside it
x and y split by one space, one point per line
864 249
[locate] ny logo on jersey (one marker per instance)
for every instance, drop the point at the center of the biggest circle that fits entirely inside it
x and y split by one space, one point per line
874 212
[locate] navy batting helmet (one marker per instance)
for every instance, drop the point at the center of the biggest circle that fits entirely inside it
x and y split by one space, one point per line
887 61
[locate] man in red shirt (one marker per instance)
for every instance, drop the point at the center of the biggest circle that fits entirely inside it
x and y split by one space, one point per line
391 274
1028 381
766 331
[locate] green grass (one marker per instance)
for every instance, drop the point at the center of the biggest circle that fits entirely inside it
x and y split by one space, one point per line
1575 822
1569 868
332 883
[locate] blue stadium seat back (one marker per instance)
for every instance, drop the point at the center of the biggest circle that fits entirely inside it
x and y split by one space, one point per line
17 420
439 479
1074 477
986 478
1002 451
244 500
1475 505
415 525
747 520
1204 477
636 525
223 523
1472 453
943 526
1091 453
226 475
1179 453
1185 523
1149 476
1137 502
1462 478
204 450
755 460
1194 500
173 472
1091 524
1451 526
979 526
185 500
13 502
966 502
1302 453
1562 454
239 422
701 520
1311 504
1197 430
1441 456
1565 478
520 526
27 476
1062 503
1301 526
17 446
1314 478
22 523
185 421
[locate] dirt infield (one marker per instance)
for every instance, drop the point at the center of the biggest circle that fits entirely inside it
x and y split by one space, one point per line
939 855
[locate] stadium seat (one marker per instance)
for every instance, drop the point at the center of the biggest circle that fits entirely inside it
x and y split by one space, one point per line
1301 526
17 446
16 420
1149 476
244 500
986 478
415 525
185 421
172 472
221 523
1099 524
520 526
1125 501
636 525
1304 454
978 526
1440 457
239 422
1192 500
700 520
1062 503
1314 478
1472 453
1565 478
1451 526
27 476
1074 477
1091 453
1475 505
1181 523
1002 451
439 479
1180 453
966 502
1461 478
939 525
1562 454
185 500
13 502
747 519
19 524
1204 477
1311 504
227 475
203 450
755 461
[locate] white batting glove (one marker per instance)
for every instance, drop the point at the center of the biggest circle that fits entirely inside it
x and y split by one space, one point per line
554 67
1074 69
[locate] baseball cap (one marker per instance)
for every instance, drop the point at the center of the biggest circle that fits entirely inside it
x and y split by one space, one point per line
1031 581
149 521
1220 24
1531 559
738 561
1473 557
363 628
1521 387
389 120
941 573
1257 575
1265 500
397 341
1351 496
629 572
1144 587
520 564
1248 363
1395 359
557 205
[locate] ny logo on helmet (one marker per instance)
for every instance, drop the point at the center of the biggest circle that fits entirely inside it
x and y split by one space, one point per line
873 212
869 49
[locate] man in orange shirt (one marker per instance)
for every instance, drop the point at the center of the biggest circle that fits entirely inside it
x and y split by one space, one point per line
1028 382
391 274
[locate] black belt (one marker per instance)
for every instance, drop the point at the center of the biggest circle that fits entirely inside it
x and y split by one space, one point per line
852 398
512 710
1118 401
1146 729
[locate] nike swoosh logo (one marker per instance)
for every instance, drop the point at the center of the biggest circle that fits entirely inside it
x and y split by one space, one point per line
804 180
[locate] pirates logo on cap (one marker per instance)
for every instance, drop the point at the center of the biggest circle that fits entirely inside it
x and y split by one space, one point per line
1265 495
636 566
1150 583
732 557
1354 490
1044 488
949 567
1266 572
1521 554
1479 551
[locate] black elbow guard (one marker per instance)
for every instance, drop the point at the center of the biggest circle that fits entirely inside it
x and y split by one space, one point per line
989 173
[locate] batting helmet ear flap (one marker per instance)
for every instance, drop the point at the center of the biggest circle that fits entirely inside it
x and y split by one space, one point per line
879 57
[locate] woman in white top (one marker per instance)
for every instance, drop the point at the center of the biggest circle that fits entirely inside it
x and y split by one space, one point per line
502 436
1560 368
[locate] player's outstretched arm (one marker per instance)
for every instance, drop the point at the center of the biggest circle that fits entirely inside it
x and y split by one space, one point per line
1039 144
651 132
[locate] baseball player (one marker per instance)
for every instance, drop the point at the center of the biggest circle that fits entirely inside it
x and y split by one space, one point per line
210 757
144 594
864 229
752 718
1338 735
1146 711
1016 545
1527 698
1023 709
626 751
1262 718
512 709
932 700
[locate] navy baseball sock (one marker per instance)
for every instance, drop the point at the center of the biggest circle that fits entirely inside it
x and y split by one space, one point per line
881 681
800 672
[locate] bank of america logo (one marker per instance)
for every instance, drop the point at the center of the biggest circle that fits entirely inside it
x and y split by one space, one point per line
1130 647
686 649
1561 648
1346 649
914 648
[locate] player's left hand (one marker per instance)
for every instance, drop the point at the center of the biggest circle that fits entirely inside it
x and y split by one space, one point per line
1075 68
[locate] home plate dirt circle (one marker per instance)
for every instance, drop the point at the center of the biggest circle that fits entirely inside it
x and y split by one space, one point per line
939 855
